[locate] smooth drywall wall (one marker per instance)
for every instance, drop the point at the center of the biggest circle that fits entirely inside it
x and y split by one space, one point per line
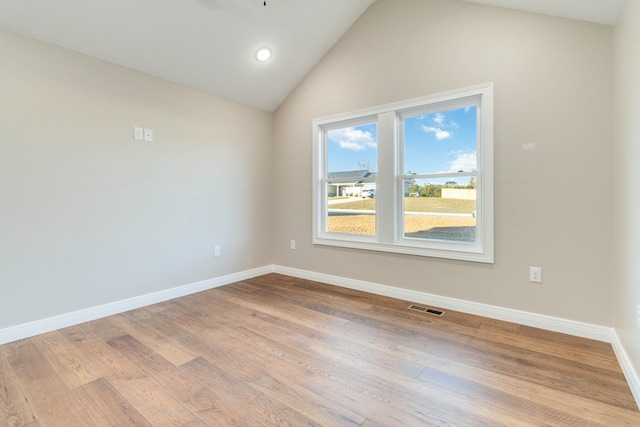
553 87
627 178
88 215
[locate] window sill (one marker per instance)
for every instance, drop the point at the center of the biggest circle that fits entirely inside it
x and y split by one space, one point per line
446 250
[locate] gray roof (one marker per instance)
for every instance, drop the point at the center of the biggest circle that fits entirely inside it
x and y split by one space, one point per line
349 174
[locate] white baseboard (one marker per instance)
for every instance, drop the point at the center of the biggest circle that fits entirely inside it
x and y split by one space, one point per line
627 368
42 326
570 327
580 329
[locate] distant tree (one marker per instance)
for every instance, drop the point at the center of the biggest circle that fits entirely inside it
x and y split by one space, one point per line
431 190
472 183
450 184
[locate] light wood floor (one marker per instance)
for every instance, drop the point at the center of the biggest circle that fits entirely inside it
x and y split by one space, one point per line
278 351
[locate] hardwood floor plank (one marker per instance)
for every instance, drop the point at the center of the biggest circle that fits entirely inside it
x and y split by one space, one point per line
97 355
61 355
208 405
51 400
596 412
299 315
595 383
390 324
185 389
244 360
510 409
248 400
318 408
15 410
153 401
107 406
325 343
367 346
597 358
154 338
373 384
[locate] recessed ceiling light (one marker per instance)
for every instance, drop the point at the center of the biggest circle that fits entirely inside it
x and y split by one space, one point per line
263 54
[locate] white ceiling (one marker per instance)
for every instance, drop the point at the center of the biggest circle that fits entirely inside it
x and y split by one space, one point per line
205 44
210 44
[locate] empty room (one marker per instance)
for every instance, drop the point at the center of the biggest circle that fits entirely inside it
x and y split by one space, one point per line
319 213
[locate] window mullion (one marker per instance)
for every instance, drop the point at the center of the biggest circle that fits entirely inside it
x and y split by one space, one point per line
386 207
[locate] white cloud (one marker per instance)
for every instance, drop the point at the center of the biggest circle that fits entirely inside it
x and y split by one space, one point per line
352 139
440 126
464 162
439 133
439 119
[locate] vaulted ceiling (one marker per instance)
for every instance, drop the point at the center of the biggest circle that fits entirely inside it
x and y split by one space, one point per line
210 44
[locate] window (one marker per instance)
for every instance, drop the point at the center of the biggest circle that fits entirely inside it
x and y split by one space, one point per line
414 177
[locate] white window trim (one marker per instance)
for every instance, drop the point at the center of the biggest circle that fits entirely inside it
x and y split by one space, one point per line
389 192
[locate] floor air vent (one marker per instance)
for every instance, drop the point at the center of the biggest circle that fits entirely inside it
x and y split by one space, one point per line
426 310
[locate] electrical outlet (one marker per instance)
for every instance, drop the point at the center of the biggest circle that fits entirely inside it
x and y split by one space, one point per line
148 135
535 274
293 244
216 251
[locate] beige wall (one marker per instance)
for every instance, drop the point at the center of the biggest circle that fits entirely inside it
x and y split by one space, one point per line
88 215
627 177
553 87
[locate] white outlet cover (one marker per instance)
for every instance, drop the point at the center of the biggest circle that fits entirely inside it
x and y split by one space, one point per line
148 134
138 133
535 274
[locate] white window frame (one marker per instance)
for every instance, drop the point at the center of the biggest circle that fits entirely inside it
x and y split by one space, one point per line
389 236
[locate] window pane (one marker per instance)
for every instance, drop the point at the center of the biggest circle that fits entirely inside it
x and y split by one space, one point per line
440 209
352 163
352 150
442 142
354 211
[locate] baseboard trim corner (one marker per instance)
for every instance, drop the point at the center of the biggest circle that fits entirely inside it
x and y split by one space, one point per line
630 374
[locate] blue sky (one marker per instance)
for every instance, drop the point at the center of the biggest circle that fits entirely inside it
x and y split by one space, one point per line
434 143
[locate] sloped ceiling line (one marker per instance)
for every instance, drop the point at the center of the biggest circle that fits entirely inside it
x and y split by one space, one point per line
209 45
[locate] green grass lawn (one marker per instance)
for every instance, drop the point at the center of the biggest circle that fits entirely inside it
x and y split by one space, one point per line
416 204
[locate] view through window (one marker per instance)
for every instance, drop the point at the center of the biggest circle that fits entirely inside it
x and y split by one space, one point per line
413 177
352 162
440 164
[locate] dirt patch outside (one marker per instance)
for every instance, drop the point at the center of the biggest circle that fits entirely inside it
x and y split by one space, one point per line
455 229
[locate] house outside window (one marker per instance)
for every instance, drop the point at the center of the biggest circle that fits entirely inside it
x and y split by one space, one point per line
414 177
